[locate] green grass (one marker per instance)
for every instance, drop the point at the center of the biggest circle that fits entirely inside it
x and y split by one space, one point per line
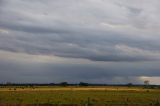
95 97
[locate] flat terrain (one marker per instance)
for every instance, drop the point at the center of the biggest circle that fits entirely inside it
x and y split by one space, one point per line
79 96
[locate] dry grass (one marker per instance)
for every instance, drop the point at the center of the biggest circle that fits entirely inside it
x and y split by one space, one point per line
57 88
97 96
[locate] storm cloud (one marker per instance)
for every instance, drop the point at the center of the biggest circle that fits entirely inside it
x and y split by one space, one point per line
90 34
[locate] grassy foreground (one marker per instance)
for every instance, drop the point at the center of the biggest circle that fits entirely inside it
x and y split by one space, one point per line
79 96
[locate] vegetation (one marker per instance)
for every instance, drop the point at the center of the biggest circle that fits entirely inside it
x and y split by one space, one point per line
79 96
83 84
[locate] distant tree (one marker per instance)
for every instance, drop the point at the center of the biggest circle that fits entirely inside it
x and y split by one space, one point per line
129 84
52 84
8 83
63 83
146 83
83 84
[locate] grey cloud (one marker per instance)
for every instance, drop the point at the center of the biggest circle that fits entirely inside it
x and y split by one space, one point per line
123 32
135 10
86 46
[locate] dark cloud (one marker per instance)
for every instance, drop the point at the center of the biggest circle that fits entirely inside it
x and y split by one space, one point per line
47 72
30 28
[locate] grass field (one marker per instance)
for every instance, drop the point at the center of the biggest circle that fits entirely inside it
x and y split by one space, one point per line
79 96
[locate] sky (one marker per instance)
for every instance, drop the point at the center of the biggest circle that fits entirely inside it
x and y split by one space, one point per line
94 41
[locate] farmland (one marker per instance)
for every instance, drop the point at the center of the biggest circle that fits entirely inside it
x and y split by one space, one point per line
79 96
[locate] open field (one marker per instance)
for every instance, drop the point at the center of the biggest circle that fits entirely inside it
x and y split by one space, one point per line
79 96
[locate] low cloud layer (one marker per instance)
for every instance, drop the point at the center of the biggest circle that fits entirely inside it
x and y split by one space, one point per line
120 33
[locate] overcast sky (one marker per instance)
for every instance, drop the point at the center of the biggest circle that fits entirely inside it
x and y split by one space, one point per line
95 41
